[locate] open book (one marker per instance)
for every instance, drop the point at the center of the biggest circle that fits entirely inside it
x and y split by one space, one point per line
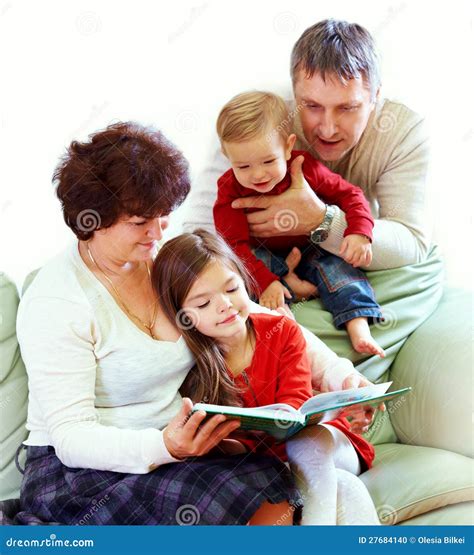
282 421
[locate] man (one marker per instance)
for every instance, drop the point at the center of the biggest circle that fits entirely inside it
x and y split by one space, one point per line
340 118
377 144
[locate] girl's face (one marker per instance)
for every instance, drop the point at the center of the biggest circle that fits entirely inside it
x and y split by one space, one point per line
218 303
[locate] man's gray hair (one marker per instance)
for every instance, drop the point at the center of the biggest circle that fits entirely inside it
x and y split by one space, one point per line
344 49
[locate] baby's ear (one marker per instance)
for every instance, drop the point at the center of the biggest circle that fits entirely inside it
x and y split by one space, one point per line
290 143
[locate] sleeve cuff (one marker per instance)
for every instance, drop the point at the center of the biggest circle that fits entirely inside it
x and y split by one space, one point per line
336 232
159 454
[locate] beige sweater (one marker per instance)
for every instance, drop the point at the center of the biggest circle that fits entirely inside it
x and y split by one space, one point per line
389 163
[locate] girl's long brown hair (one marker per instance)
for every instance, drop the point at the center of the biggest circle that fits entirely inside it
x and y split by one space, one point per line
179 263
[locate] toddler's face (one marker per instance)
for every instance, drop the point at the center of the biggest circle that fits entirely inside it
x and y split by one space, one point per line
260 163
218 303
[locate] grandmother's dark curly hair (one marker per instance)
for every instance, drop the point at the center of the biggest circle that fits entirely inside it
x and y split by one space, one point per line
125 170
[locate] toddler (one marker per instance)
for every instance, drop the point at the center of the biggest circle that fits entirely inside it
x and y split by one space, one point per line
253 129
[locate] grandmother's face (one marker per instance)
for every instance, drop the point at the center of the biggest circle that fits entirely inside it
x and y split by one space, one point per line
133 238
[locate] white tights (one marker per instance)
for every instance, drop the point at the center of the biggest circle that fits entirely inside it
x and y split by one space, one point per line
326 466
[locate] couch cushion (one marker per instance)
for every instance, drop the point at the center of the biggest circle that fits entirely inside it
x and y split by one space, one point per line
460 514
13 390
407 480
437 362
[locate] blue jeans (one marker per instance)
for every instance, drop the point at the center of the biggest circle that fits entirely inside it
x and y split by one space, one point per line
344 290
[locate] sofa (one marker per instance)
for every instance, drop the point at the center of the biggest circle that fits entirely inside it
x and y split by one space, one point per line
423 471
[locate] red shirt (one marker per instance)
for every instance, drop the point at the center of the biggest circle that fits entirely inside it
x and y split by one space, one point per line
330 187
280 372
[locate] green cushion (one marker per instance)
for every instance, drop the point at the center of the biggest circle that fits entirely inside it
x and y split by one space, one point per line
13 391
407 481
437 362
408 296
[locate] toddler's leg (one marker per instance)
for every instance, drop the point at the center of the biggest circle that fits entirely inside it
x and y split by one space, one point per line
347 294
361 338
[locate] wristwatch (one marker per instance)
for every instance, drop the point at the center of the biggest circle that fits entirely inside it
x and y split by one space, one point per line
321 233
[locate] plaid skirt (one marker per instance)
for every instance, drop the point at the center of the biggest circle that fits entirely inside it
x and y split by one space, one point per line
201 490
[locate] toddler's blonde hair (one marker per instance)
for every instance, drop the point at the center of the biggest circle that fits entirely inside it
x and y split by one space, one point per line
251 114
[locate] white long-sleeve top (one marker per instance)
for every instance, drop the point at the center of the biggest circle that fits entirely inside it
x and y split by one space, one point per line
390 163
100 389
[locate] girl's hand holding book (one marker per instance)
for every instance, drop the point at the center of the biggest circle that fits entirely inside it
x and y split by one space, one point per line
360 416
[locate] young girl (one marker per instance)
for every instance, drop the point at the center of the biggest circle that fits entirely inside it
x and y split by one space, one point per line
251 360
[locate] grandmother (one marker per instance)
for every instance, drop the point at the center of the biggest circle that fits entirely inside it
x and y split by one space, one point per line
105 365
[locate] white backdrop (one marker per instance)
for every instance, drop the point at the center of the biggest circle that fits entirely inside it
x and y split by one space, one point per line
73 67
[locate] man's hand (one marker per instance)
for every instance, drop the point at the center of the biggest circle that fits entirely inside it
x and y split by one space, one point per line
274 295
297 211
301 288
356 250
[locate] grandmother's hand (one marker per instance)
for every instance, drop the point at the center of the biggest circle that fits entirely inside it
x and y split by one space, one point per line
184 437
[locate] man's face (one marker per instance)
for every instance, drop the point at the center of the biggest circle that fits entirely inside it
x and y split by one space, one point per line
333 115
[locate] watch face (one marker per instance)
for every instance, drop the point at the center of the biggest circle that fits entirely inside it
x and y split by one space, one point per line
319 235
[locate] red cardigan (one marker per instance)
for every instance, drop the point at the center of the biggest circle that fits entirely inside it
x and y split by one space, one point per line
280 372
330 187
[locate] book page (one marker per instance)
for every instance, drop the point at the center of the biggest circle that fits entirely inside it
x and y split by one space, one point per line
276 415
332 399
279 406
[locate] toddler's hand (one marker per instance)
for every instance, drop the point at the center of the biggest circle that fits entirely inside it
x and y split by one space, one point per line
274 295
356 250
